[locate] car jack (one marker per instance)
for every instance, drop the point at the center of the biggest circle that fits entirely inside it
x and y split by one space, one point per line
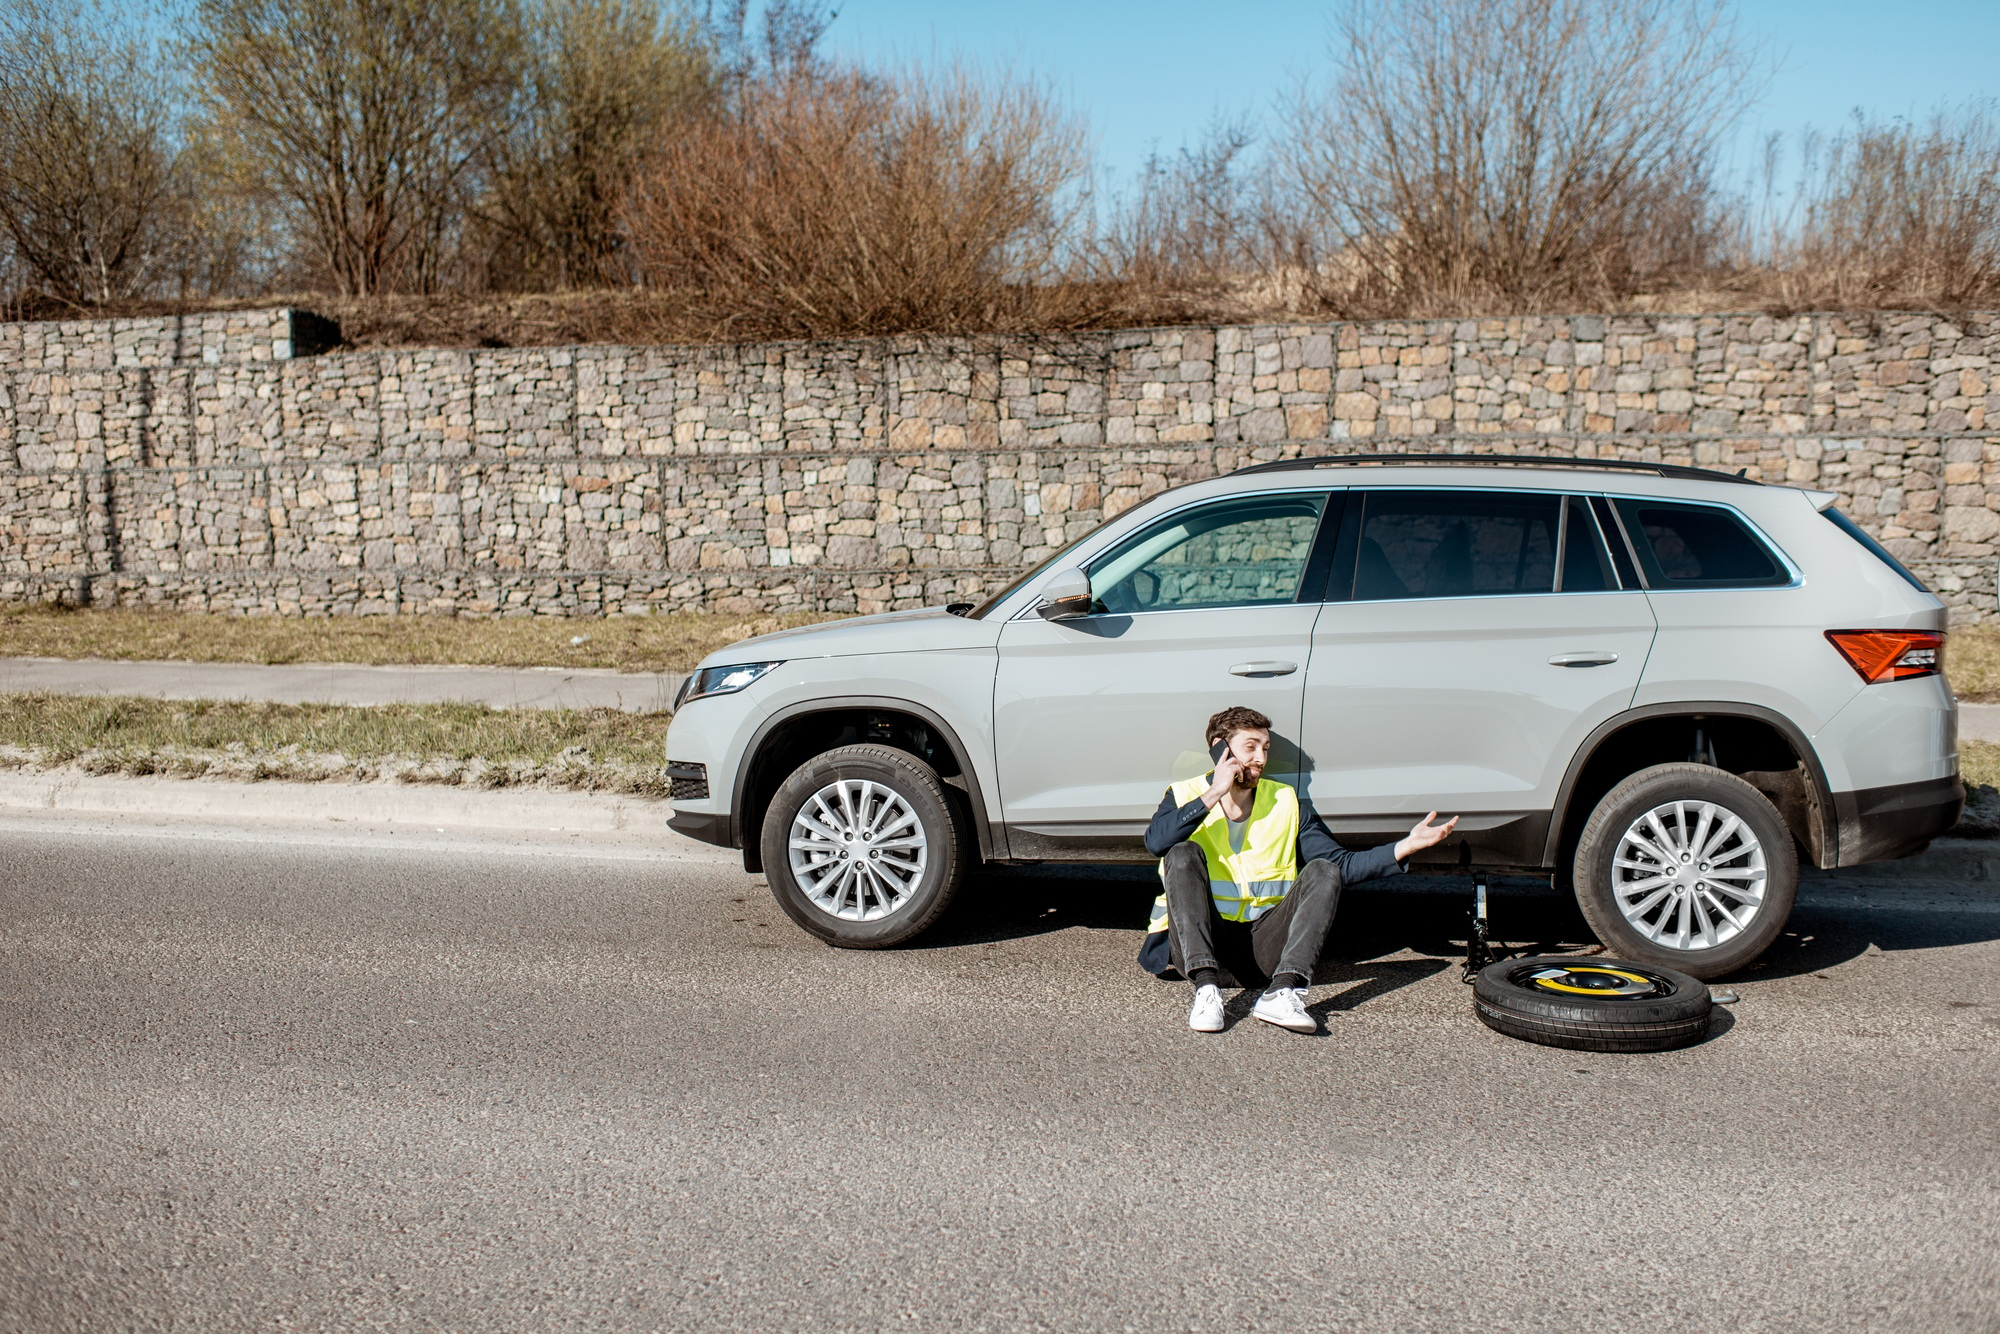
1478 947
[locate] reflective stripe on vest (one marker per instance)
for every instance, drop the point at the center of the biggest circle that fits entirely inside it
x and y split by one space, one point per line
1245 885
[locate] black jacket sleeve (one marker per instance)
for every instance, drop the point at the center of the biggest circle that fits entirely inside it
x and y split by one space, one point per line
1317 843
1173 824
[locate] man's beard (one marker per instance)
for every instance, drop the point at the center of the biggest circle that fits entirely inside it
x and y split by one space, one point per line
1248 777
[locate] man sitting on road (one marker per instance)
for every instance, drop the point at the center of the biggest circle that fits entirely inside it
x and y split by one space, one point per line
1253 873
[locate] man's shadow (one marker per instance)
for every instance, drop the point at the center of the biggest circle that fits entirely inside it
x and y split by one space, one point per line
1359 980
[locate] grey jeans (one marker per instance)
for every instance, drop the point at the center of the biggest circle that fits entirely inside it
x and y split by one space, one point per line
1287 939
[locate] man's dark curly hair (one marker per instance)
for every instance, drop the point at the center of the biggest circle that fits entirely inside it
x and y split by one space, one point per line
1233 720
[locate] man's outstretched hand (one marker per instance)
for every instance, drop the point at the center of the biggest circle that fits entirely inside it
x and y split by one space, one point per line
1424 834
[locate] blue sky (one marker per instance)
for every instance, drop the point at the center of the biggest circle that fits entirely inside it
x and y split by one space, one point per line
1155 74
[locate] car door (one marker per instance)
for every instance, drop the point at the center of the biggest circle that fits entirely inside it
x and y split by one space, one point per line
1480 637
1202 609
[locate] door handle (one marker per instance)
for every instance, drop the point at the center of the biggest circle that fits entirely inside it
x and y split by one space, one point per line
1588 658
1263 669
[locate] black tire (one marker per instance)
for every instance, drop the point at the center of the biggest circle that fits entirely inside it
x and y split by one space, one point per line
1592 1004
1688 930
924 893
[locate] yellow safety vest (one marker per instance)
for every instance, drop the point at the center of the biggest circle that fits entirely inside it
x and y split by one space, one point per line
1246 884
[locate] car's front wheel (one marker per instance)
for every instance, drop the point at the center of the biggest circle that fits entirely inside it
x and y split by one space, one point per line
1686 866
863 847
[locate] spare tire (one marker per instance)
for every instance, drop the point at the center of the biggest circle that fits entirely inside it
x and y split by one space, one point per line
1592 1004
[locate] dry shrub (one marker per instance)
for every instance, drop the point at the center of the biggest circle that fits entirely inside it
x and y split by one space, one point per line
1189 222
832 203
1501 155
1194 239
1895 214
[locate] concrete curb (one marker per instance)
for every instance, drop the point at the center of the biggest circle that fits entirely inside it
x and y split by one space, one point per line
24 791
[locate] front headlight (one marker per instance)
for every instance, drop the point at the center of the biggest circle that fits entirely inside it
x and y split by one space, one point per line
719 681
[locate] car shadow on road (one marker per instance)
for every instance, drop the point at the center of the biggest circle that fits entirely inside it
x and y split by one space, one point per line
1013 903
1428 917
1820 937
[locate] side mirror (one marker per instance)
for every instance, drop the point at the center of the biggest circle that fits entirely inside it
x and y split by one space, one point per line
1065 597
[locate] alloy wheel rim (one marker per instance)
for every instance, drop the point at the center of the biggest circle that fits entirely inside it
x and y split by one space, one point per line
1595 980
1689 875
858 850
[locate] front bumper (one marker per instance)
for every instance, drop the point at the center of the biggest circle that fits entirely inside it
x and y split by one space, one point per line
1879 824
709 828
700 743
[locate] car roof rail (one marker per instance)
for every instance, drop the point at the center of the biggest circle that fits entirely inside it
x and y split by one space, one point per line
1679 470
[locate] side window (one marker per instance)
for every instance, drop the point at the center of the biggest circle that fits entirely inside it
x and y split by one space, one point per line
1698 546
1449 544
1233 553
1586 566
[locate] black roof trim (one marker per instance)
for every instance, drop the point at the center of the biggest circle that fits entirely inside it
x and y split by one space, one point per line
1678 470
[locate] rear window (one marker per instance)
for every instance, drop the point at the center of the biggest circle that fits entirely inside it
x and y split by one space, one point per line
1855 531
1698 546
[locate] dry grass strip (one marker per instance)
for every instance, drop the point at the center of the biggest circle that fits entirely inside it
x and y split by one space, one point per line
464 745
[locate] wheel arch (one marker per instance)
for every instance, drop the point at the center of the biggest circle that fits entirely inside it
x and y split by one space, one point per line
1641 737
793 735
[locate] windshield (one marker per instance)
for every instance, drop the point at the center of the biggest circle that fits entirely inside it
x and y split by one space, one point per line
978 613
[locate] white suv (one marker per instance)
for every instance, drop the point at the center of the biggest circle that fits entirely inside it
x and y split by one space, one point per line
1662 684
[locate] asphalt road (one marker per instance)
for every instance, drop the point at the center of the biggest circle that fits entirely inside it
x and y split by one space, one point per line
266 1080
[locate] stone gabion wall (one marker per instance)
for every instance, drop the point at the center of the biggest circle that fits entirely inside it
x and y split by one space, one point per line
212 463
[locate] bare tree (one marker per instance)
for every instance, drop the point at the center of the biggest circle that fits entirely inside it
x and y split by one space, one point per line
91 195
1511 154
605 79
237 238
782 45
366 118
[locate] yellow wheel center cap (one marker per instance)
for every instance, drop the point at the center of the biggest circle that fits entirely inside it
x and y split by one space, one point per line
1591 980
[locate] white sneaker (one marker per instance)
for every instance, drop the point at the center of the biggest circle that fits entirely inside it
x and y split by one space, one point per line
1285 1007
1205 1015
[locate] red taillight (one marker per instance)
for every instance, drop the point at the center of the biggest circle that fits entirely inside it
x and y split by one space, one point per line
1890 655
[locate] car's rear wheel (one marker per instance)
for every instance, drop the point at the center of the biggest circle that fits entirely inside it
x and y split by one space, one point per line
1686 866
863 846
